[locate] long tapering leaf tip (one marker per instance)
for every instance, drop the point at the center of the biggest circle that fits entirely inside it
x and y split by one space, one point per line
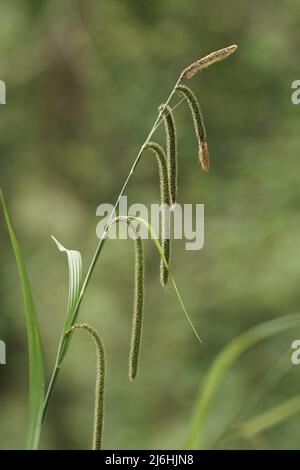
203 155
59 245
206 61
154 237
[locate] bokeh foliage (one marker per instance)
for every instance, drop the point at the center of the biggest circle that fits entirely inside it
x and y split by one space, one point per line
84 80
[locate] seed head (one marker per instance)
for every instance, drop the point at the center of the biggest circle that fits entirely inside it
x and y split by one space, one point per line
165 204
161 158
100 382
203 63
138 308
171 144
204 155
198 122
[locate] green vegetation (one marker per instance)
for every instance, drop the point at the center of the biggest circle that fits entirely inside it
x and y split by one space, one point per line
83 80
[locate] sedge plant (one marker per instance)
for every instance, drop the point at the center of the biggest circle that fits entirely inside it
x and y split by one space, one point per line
167 159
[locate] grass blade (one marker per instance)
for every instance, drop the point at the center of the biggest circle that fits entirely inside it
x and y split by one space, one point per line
222 363
154 237
160 250
75 283
270 418
36 362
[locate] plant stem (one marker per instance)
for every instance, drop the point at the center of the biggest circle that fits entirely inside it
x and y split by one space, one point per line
63 345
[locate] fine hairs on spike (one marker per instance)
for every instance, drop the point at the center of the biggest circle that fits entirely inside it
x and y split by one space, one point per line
138 305
162 162
165 205
198 122
100 382
138 298
171 144
206 61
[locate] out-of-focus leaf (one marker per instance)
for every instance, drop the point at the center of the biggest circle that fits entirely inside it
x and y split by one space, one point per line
36 362
224 360
272 417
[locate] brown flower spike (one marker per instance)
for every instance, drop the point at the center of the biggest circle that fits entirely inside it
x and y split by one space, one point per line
203 155
201 64
198 122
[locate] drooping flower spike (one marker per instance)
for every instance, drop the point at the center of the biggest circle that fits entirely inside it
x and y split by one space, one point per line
100 382
198 122
165 202
171 146
138 307
138 296
206 61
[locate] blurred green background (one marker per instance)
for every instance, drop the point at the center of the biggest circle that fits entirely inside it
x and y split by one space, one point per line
84 80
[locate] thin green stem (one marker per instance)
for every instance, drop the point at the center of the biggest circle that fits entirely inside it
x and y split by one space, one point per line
63 345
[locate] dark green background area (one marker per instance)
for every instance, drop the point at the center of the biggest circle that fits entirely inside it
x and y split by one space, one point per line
84 79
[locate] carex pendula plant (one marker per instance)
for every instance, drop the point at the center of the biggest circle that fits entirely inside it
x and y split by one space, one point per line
39 397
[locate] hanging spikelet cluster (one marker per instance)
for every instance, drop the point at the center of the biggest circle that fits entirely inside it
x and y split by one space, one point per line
166 246
198 122
161 158
100 382
165 201
206 61
138 307
138 296
192 100
171 145
168 169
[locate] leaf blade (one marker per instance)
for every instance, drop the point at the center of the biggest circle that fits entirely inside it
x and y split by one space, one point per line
154 237
222 363
75 283
271 417
35 353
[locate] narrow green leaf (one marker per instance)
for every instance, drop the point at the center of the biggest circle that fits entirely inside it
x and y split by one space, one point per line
36 362
154 237
75 284
160 250
271 417
221 364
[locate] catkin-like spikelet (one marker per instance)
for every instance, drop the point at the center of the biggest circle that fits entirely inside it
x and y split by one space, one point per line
165 204
100 382
138 296
198 122
206 61
163 171
171 144
138 307
203 155
166 249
